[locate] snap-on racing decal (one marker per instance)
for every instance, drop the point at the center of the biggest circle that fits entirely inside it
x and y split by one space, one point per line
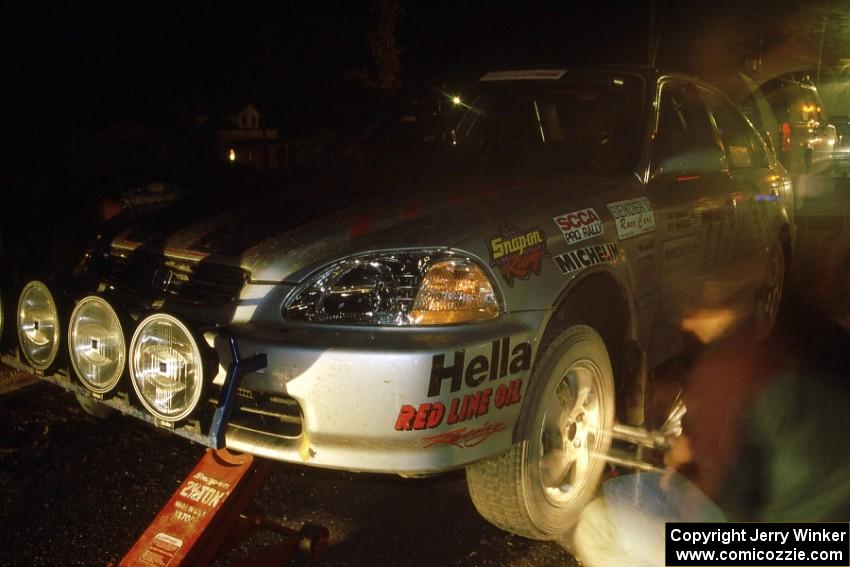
632 217
518 253
577 260
580 225
464 437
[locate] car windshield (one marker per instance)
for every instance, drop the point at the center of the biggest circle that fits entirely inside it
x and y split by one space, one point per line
584 123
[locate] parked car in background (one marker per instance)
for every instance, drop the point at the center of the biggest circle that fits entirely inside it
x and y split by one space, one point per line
788 111
503 311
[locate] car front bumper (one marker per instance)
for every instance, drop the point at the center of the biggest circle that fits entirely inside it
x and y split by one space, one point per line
396 400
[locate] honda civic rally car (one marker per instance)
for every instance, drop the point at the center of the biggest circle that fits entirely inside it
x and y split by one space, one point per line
501 308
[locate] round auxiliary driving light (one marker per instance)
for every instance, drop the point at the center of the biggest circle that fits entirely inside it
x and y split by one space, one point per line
38 325
166 368
96 344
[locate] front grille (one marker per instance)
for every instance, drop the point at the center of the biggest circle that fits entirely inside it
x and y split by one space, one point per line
269 414
151 275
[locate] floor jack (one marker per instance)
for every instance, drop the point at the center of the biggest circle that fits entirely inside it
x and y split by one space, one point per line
208 515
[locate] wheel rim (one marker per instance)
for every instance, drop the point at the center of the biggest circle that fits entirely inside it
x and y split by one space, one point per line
772 291
572 433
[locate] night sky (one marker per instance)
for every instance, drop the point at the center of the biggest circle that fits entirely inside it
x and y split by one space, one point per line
81 66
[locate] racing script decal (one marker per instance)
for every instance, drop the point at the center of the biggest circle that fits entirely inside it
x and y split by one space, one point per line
632 217
518 253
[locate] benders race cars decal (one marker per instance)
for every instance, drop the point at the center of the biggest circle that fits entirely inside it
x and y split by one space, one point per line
580 225
632 217
518 253
577 260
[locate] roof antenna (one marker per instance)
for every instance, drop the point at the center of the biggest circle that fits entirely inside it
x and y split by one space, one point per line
654 37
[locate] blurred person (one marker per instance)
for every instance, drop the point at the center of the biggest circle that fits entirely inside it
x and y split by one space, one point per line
766 438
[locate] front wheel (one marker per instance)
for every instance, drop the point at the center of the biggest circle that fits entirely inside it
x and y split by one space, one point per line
769 296
539 486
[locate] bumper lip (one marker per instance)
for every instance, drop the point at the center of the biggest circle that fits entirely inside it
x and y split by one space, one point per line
358 395
351 417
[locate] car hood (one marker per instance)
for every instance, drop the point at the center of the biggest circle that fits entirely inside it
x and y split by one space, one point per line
271 239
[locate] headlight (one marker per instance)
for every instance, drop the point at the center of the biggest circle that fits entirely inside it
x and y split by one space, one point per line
96 344
397 288
38 325
166 368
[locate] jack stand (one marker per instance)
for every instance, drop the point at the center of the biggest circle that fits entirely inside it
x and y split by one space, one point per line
204 518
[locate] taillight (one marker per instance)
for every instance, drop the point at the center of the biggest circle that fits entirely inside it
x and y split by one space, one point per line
786 137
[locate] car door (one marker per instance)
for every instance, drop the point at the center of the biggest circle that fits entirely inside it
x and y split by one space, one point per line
691 189
753 200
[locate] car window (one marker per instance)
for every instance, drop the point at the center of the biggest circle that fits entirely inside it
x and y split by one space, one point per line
743 147
584 123
684 139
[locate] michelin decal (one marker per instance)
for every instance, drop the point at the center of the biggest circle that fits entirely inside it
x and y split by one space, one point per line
577 260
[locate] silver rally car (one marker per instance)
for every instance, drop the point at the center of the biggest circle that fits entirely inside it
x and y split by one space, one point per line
503 313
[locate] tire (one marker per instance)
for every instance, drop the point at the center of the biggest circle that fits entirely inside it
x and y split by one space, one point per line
540 485
769 296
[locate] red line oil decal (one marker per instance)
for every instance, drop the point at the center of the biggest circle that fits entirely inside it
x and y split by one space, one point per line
464 437
518 253
580 225
429 415
577 260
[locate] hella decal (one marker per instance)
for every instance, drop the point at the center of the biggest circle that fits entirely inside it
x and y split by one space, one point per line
429 415
577 260
502 361
518 253
632 217
580 225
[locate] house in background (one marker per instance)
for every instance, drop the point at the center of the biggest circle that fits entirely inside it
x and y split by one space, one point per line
241 138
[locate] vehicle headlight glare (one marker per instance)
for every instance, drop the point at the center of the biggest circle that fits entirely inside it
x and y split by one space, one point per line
166 367
429 287
96 344
38 325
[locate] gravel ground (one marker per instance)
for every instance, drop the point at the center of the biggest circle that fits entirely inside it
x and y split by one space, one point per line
75 490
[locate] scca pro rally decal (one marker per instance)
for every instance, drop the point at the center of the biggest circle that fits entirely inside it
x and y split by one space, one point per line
632 217
580 225
577 260
518 253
